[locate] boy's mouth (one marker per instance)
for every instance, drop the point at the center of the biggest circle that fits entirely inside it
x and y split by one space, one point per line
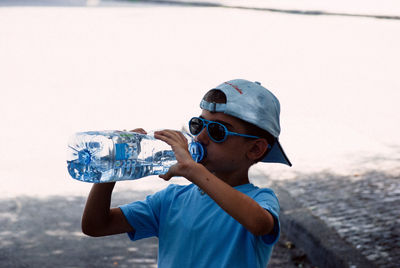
198 151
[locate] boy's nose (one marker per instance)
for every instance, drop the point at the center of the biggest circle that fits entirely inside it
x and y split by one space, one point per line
203 137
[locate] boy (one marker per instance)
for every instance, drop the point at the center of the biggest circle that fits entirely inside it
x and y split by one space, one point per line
220 220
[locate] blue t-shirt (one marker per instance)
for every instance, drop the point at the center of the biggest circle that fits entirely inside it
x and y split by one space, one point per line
194 231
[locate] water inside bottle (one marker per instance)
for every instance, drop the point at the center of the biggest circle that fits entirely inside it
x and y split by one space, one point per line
113 156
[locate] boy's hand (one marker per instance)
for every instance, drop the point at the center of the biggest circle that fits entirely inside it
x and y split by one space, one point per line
179 145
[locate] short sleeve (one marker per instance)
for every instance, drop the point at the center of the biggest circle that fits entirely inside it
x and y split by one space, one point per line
268 200
144 216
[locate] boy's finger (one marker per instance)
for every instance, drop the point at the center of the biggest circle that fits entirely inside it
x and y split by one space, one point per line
165 177
168 136
170 173
166 133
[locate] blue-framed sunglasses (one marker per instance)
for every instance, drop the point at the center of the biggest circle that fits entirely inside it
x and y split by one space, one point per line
216 131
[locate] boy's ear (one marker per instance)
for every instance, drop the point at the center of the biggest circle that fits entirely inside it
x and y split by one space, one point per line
258 149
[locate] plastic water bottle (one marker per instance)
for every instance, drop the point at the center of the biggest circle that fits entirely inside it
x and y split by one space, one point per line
107 156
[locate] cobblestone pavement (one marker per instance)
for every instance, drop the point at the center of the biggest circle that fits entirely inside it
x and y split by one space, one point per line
287 255
364 209
46 232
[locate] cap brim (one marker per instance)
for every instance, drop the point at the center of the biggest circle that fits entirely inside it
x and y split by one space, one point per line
277 155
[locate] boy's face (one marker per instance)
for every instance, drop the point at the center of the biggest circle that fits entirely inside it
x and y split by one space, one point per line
229 156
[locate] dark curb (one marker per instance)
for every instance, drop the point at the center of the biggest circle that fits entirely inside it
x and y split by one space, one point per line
322 244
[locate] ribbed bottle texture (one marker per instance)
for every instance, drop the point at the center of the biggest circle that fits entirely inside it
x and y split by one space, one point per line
107 156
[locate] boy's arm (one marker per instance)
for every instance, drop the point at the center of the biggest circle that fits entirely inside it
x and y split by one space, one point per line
240 206
237 204
98 219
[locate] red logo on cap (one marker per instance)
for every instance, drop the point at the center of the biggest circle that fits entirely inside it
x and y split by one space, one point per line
235 87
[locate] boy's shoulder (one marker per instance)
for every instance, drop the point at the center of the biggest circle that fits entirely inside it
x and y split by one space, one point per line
173 191
179 187
251 189
176 189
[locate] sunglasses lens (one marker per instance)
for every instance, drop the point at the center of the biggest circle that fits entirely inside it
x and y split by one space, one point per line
216 131
195 126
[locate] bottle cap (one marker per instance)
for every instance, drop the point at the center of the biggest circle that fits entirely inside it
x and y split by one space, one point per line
197 151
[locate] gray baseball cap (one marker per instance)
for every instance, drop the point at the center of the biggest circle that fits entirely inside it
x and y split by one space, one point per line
255 104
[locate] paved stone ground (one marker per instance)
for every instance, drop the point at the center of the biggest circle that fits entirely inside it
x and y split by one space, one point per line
46 233
363 209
